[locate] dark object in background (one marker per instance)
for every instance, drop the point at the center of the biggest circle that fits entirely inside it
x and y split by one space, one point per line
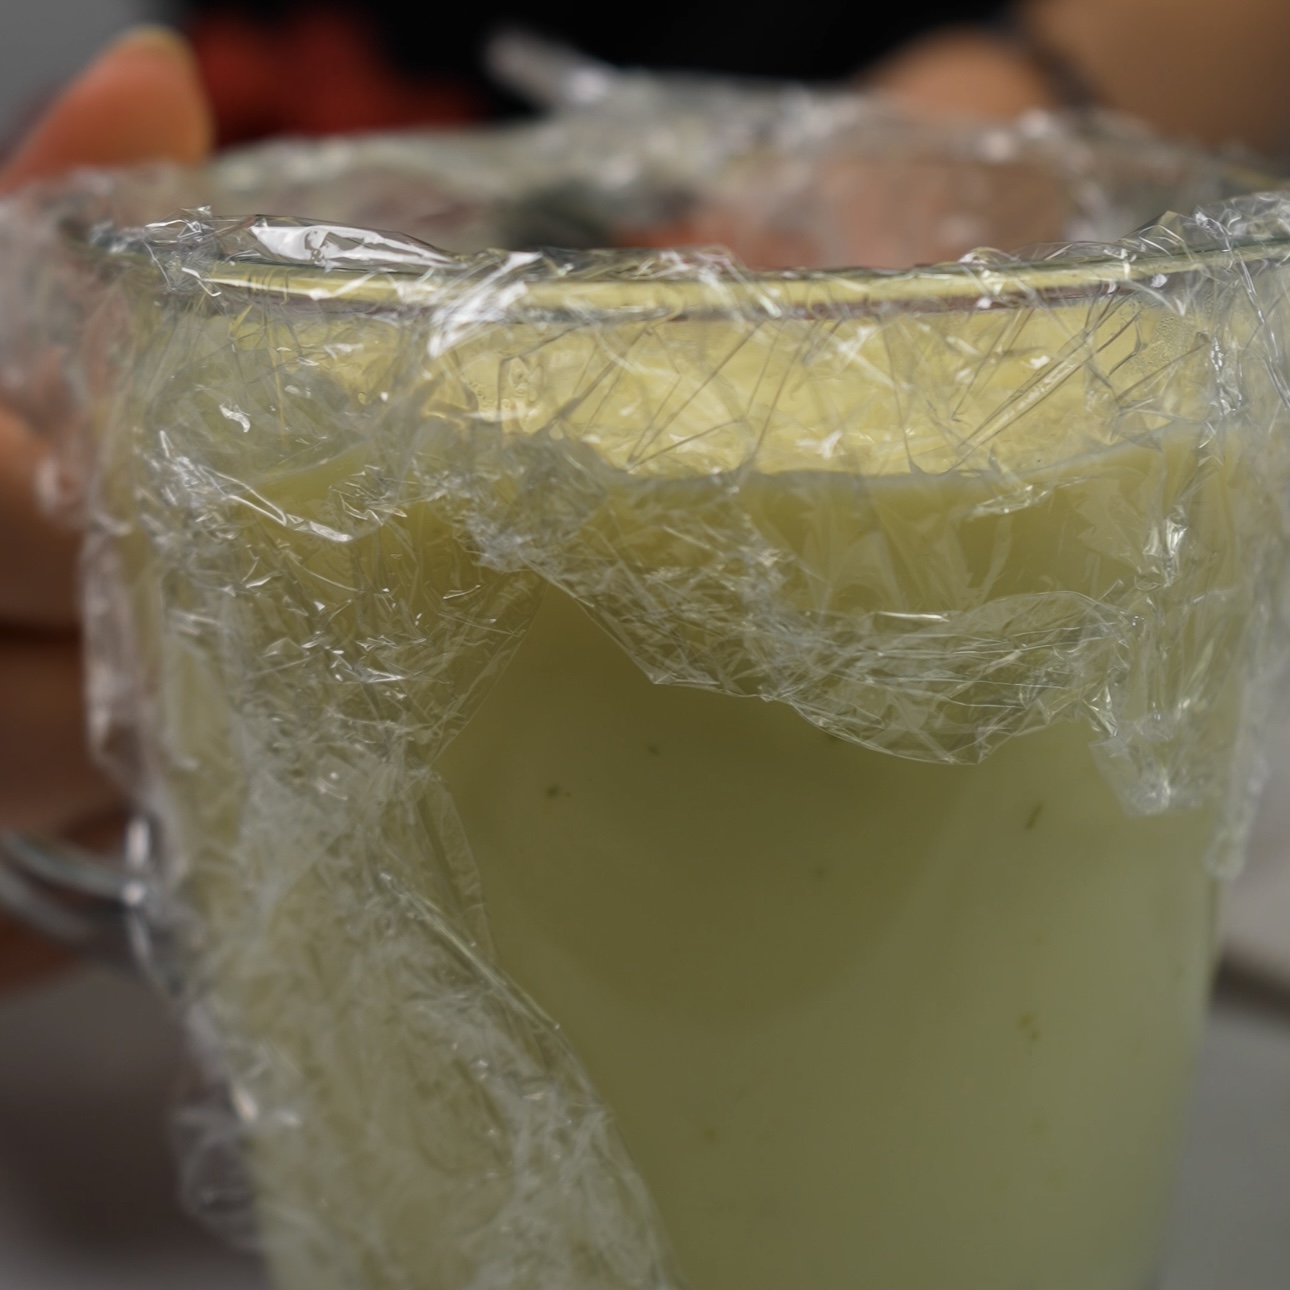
277 67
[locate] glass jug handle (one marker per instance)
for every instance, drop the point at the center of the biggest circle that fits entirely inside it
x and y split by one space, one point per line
90 904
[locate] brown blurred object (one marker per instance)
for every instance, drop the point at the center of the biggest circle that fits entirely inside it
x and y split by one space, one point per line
317 71
26 956
137 101
964 72
1211 72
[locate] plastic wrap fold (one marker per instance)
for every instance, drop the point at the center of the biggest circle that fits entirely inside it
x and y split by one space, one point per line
333 474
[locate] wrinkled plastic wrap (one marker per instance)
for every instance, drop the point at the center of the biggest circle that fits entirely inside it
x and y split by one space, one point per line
945 516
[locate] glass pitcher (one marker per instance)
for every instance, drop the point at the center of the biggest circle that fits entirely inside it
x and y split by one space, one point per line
672 775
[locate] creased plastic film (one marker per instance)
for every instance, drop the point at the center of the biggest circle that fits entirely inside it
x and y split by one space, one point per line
933 513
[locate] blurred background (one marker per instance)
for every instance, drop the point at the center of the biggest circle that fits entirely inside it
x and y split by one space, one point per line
89 1063
42 45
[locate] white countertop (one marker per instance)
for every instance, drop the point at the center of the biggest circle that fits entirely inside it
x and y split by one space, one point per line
88 1067
1231 1227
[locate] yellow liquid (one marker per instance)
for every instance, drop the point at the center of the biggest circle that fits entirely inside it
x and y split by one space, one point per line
862 1021
857 1020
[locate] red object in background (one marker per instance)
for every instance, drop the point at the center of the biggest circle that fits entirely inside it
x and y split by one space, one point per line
319 71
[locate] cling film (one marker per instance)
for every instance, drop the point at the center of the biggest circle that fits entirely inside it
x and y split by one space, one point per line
927 530
624 724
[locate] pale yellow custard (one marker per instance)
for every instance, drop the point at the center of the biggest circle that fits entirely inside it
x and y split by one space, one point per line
830 912
862 1021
